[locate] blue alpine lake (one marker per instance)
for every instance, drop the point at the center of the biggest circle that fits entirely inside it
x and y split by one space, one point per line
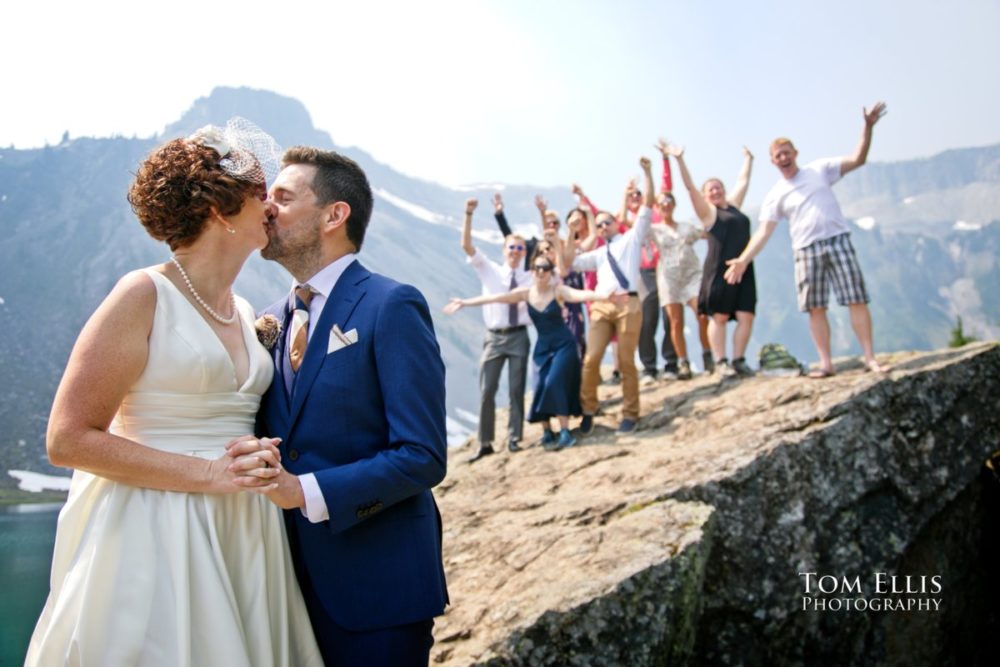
27 533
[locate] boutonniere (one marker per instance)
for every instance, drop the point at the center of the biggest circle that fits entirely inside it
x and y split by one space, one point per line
268 330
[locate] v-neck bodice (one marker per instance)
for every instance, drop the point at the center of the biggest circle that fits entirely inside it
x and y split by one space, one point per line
187 399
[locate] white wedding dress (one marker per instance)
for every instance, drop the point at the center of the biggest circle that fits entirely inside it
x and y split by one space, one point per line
146 577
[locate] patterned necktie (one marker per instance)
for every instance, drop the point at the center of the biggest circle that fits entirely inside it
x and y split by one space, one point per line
617 270
512 307
300 326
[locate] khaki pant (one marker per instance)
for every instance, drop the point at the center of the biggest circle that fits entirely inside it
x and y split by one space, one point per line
607 319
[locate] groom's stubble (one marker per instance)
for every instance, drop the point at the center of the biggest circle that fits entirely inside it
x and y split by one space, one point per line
296 245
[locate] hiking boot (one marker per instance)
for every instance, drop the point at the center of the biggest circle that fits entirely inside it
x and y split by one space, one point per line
708 362
648 378
684 370
626 426
565 439
742 369
724 370
587 425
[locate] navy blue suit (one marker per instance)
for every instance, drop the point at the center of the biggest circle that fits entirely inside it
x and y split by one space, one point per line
369 421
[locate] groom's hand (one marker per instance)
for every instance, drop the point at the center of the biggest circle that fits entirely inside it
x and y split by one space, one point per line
287 492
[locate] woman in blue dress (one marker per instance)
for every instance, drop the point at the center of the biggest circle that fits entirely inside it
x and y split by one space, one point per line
557 390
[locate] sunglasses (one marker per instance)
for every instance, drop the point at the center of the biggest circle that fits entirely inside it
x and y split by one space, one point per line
516 246
554 224
543 267
604 223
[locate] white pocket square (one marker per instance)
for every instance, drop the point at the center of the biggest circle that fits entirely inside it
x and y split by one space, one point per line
340 339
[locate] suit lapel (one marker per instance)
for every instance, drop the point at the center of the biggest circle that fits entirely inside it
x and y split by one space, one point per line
282 366
278 392
338 309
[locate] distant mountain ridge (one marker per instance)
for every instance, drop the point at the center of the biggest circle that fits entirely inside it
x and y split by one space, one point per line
930 195
67 235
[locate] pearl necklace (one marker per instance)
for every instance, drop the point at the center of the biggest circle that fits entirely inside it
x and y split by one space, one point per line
197 297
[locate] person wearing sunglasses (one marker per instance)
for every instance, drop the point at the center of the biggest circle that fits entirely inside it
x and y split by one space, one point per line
557 390
617 267
550 225
506 341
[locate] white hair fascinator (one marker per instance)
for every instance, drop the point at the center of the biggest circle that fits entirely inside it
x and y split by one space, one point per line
246 151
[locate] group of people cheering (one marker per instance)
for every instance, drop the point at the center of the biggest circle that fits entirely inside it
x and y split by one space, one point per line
631 267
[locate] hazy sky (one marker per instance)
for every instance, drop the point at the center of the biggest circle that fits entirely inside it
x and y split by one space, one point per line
533 92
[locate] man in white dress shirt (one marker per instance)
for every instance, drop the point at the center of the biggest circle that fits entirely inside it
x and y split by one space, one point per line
506 336
617 266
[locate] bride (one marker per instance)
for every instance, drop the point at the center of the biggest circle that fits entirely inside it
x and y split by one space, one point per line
166 552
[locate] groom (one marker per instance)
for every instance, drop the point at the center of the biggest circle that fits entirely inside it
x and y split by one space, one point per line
358 400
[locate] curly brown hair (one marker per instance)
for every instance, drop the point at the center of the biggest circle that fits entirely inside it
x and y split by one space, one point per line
177 186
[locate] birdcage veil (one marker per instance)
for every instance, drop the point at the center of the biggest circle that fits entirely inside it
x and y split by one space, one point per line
246 151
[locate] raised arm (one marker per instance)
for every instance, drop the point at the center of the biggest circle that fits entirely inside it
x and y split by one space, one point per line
622 215
542 207
514 296
743 181
584 200
644 219
499 215
706 212
590 241
647 181
861 152
667 183
470 206
567 251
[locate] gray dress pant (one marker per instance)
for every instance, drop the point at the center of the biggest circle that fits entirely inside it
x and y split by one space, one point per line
500 347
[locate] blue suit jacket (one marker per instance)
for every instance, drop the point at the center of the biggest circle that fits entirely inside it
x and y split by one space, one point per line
369 421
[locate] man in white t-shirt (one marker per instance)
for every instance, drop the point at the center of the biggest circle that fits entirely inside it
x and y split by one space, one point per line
821 241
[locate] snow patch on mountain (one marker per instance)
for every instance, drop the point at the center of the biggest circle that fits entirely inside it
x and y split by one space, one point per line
415 210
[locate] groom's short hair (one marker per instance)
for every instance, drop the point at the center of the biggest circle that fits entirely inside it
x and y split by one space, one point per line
338 178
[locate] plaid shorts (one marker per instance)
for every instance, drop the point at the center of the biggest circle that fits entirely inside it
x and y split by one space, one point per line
829 261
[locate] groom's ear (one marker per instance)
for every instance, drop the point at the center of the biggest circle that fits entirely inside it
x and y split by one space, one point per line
337 214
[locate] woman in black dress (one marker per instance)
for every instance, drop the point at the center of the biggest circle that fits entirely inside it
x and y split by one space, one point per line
728 232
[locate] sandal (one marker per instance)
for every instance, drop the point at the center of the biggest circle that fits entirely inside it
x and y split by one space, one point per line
821 373
876 367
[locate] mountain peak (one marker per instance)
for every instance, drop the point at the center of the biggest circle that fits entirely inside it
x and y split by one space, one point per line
280 116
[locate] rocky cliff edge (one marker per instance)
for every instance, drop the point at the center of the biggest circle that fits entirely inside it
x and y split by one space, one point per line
686 541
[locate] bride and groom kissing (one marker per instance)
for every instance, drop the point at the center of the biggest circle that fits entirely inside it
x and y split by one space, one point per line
186 434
